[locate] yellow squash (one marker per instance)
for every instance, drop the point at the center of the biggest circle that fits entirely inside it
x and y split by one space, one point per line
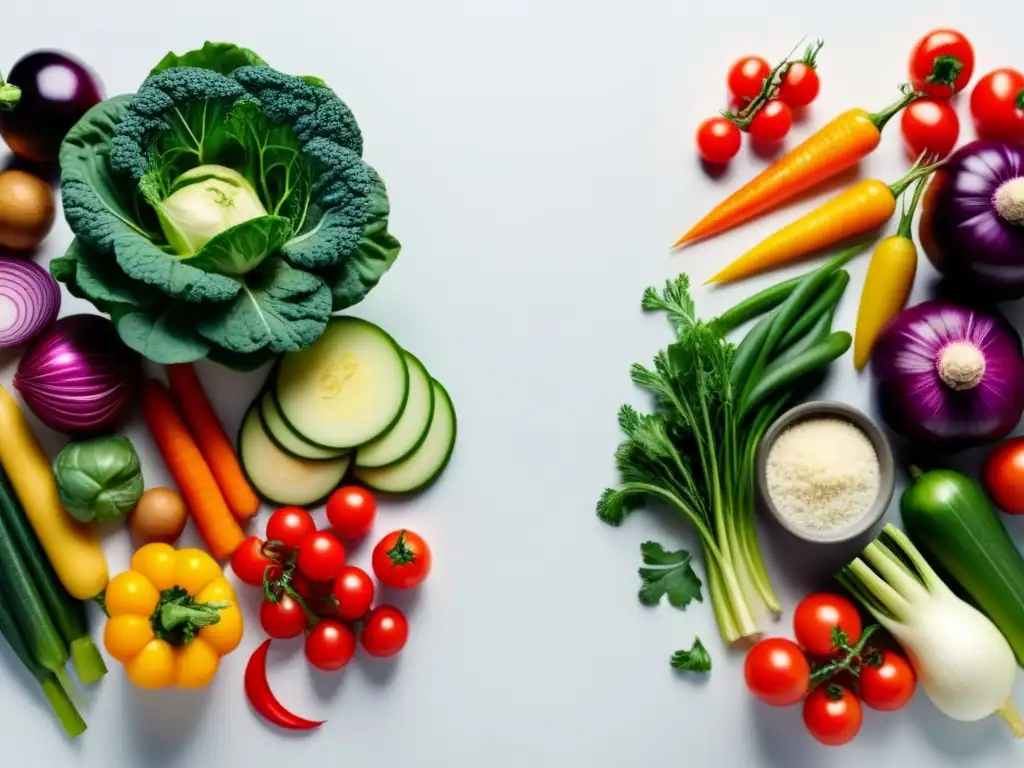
173 616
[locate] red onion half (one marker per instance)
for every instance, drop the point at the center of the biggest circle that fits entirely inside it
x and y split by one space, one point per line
79 377
949 377
29 300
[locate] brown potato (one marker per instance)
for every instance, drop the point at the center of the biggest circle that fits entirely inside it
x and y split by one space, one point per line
160 515
26 210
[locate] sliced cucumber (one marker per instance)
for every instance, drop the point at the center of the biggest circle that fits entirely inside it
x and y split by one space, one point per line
285 439
411 430
282 479
347 389
427 462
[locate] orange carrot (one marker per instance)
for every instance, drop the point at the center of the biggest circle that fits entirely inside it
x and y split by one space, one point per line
860 209
839 145
206 505
213 443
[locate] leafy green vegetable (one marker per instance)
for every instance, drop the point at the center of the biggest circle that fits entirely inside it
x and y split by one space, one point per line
223 210
99 479
697 659
668 573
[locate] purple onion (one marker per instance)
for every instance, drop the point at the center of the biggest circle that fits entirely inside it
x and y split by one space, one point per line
972 221
949 377
29 300
79 377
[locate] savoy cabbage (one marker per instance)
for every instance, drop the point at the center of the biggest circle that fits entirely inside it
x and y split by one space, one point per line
223 210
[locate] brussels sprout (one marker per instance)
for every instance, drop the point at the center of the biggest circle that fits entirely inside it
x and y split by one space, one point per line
99 479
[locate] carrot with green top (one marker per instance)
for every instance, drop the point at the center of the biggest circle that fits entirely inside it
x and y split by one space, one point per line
861 208
190 471
839 145
213 443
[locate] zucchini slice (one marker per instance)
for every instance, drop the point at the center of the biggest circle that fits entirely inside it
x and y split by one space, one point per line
347 389
282 479
411 430
427 462
286 439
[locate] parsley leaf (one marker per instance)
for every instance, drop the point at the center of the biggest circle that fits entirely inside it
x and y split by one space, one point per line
696 659
668 573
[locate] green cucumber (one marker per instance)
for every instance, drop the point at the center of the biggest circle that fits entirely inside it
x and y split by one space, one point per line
286 439
67 613
950 517
408 434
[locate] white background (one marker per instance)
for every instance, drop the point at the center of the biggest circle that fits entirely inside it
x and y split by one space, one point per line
539 158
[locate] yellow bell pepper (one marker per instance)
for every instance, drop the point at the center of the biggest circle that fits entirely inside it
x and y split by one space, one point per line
173 616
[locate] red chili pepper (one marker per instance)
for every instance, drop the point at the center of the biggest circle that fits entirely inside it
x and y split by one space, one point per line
262 698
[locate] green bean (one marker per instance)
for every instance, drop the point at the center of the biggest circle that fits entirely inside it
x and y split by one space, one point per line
816 357
828 299
820 332
746 353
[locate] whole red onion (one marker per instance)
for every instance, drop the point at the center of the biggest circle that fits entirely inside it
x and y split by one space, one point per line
79 377
949 377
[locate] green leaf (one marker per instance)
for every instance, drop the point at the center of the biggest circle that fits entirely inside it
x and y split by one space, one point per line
280 308
668 573
141 260
165 336
220 57
100 281
241 361
243 247
351 280
697 659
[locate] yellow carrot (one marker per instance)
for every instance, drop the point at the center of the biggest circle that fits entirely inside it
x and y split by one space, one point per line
863 207
887 285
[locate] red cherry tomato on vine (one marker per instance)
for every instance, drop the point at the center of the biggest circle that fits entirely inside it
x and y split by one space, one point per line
402 560
800 86
833 715
777 672
930 126
385 631
817 616
321 556
283 619
350 511
248 562
997 105
330 646
718 140
353 589
746 78
772 122
291 526
890 686
954 54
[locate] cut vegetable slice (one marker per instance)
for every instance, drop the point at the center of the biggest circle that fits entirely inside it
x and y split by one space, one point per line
424 465
280 478
347 389
285 439
408 434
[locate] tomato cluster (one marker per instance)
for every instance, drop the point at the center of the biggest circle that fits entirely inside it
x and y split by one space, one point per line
830 668
309 587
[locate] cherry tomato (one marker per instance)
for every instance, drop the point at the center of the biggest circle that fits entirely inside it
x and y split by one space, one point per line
718 140
321 556
832 721
248 562
291 526
330 646
930 126
746 78
283 619
353 589
954 54
309 589
818 615
402 560
777 672
385 631
1004 476
350 511
800 86
772 122
997 104
890 686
